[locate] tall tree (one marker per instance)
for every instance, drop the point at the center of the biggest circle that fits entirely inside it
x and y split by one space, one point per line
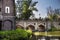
27 9
53 17
53 14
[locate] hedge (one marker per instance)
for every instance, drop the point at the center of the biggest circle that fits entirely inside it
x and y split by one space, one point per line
18 34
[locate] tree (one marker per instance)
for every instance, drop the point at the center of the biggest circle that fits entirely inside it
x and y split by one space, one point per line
57 12
52 16
27 9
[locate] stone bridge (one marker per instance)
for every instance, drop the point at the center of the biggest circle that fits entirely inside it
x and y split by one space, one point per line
33 24
36 24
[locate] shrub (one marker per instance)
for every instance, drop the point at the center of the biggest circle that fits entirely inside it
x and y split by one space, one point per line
18 34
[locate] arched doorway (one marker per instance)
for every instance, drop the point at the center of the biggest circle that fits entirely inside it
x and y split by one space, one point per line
19 26
41 28
30 27
8 25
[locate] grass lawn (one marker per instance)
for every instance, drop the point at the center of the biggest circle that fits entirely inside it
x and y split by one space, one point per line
55 33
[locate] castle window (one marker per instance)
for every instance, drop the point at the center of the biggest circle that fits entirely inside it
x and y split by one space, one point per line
0 9
7 9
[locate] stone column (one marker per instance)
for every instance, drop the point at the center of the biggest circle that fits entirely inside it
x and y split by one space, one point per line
36 26
24 25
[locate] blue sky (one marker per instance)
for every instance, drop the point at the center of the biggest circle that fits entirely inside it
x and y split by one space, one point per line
42 6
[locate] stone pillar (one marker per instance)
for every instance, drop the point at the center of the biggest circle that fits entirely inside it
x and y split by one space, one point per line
24 25
36 26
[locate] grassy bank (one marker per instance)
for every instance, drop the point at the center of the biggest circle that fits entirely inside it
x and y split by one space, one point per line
55 33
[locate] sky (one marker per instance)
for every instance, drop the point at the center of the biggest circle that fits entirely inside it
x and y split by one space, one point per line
42 6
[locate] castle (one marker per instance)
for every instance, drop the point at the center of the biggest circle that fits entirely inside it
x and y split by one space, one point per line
7 18
7 14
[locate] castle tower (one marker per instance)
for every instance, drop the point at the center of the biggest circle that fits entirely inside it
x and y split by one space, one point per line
7 14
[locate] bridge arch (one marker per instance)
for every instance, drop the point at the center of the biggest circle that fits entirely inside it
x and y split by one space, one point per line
30 27
19 26
41 27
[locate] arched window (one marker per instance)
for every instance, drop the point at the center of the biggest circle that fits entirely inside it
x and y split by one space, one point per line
7 9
